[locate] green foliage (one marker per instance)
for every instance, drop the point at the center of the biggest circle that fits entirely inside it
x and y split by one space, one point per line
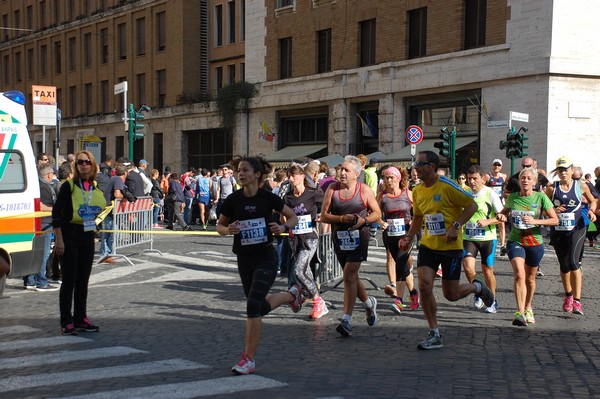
229 98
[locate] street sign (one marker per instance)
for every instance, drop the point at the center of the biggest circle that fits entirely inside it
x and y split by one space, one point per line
414 134
44 105
120 87
519 117
413 149
497 124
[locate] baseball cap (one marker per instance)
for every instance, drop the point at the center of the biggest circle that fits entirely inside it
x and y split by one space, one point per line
143 161
497 160
564 162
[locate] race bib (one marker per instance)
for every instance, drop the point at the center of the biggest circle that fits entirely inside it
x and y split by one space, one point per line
498 190
252 231
566 221
348 239
435 224
396 227
304 225
88 214
516 218
474 232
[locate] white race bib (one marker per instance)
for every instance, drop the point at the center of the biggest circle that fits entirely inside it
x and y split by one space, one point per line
396 227
435 224
252 231
348 240
474 232
304 225
566 221
516 218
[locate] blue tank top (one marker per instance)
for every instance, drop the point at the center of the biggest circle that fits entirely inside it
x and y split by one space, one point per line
203 189
571 218
497 184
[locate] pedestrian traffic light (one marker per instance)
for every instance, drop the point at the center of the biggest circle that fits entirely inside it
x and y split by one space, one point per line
445 145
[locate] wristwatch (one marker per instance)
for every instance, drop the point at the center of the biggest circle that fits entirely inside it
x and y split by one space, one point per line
456 225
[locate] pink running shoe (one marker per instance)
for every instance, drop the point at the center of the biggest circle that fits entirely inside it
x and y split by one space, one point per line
568 303
439 272
244 366
319 309
577 308
298 300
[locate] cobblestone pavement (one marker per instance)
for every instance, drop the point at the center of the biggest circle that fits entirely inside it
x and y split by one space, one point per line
173 325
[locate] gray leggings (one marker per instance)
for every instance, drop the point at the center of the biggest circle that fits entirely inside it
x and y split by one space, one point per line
302 258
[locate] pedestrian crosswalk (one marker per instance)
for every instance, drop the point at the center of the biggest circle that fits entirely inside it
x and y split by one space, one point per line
15 380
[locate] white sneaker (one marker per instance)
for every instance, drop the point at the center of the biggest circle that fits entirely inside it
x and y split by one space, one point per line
244 366
493 308
478 302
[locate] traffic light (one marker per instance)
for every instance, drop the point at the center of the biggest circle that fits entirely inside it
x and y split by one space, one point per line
511 145
445 145
522 145
135 125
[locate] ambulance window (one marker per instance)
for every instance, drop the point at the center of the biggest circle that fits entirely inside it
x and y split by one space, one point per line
12 172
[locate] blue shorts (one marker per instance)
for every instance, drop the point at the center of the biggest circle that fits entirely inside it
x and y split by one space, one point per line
204 199
532 255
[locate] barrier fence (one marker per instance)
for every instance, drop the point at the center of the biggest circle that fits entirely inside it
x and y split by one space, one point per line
128 216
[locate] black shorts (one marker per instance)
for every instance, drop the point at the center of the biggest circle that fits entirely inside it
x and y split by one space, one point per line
356 255
451 262
487 249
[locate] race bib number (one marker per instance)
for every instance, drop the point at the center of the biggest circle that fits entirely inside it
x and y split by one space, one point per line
474 232
498 190
304 225
566 221
516 218
88 214
435 224
253 231
396 227
348 239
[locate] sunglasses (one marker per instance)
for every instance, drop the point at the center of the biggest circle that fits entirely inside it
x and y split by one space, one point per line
462 178
527 166
84 162
422 163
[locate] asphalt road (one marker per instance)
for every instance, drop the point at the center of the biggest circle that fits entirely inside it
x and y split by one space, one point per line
172 325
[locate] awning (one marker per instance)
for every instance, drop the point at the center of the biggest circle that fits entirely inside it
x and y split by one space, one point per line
426 145
295 153
332 160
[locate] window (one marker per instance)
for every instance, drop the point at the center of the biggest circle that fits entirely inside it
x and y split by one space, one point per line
30 63
284 3
157 159
417 33
119 146
6 69
72 54
13 177
242 20
243 72
104 45
141 88
367 42
104 95
475 16
285 58
218 25
5 31
218 78
57 58
161 83
324 51
120 104
17 24
42 14
230 74
161 33
71 10
18 71
89 101
87 50
140 34
57 19
73 101
44 60
303 130
231 22
121 28
29 17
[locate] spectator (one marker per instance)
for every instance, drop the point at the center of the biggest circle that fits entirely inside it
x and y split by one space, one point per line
107 166
157 195
114 189
176 203
203 196
371 175
328 179
226 186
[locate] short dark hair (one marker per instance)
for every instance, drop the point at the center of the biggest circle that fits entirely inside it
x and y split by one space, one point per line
475 169
432 158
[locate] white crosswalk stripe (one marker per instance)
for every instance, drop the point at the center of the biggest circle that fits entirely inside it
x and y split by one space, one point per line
16 379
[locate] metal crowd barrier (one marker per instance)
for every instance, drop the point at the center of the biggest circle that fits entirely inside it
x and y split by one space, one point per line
136 216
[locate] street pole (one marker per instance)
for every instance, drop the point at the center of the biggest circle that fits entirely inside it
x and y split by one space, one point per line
131 125
453 153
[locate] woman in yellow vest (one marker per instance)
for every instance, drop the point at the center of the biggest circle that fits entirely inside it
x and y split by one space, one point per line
74 214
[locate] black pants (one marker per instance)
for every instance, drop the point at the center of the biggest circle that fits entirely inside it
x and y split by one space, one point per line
76 269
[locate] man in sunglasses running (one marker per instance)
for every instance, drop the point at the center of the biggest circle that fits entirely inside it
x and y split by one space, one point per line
444 208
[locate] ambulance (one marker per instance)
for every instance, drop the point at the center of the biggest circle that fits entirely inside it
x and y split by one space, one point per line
21 242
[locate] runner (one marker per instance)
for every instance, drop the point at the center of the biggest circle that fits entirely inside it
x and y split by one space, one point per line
396 203
525 246
304 239
568 237
350 207
496 180
444 207
479 235
244 214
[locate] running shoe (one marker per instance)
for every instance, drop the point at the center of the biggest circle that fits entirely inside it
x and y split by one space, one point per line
46 288
397 307
68 330
344 328
568 303
503 250
319 309
477 302
492 309
519 320
296 303
529 316
439 272
577 308
244 366
372 312
86 325
390 290
414 301
540 273
432 341
486 294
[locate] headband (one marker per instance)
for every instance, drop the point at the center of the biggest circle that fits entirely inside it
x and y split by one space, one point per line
393 171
